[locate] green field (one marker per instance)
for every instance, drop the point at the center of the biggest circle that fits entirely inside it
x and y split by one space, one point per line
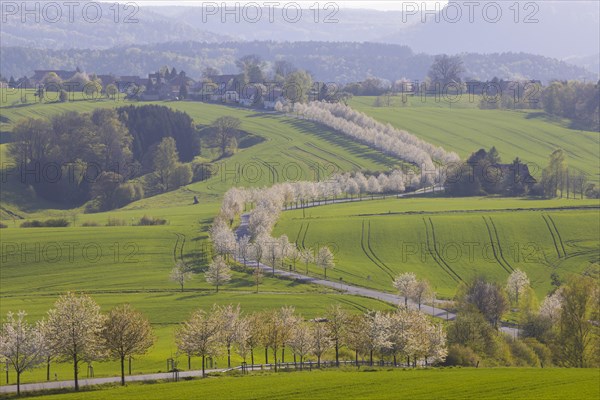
514 383
465 129
130 264
375 240
38 264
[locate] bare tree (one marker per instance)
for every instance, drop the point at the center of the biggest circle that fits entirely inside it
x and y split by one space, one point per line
225 128
446 70
321 340
301 341
126 333
337 319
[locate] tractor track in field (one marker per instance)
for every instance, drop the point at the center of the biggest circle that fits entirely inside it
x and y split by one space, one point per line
298 235
562 245
495 242
552 233
499 244
178 248
391 272
272 170
369 256
304 237
353 304
435 254
335 156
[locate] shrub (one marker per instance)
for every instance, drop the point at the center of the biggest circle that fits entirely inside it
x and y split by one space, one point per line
544 354
57 223
523 355
148 221
3 225
115 222
181 176
90 223
461 355
51 223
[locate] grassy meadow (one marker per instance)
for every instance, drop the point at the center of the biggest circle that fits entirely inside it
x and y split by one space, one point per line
448 241
372 241
509 383
463 128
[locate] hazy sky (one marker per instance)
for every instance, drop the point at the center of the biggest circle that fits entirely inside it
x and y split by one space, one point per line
383 5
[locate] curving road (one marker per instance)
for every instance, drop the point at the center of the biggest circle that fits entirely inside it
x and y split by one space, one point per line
351 289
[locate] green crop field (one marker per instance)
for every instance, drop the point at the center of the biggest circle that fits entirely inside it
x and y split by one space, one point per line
447 384
131 264
465 129
448 241
373 240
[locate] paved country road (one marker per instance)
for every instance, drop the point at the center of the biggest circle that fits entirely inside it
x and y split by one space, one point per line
28 387
351 289
241 231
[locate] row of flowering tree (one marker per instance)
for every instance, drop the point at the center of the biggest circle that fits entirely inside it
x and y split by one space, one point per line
74 331
256 244
399 335
382 137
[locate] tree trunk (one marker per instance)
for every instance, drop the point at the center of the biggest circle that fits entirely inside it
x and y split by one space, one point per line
283 354
18 383
252 357
203 365
395 363
371 358
48 369
122 370
318 361
75 361
189 362
229 356
337 353
266 355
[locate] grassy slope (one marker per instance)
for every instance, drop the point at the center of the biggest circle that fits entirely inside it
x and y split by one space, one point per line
293 150
514 133
48 266
416 384
399 239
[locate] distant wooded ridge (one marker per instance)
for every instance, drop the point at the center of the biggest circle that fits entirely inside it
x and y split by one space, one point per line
341 62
